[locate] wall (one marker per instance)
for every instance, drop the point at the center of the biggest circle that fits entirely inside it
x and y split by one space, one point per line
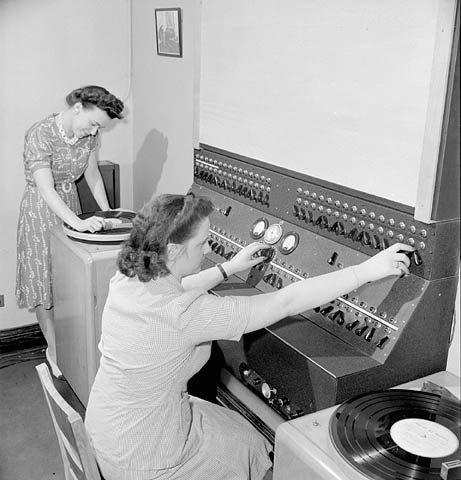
153 144
164 102
48 48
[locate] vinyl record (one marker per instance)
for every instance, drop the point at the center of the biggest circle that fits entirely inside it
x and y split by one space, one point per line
117 228
397 434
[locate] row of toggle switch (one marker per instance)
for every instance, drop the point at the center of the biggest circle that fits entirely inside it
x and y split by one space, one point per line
360 329
355 234
233 168
251 192
355 210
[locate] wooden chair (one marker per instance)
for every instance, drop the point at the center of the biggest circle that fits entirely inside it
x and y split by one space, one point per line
76 451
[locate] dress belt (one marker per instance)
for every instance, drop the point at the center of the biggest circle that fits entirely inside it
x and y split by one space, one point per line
66 187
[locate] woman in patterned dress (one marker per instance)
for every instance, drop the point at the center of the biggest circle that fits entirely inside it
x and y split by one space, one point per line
157 328
57 151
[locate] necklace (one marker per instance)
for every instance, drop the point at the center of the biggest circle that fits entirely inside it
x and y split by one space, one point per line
69 141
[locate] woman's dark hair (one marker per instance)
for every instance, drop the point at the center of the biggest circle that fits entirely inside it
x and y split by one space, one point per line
94 96
165 219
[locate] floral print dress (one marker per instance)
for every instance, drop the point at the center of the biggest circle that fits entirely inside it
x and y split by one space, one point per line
44 147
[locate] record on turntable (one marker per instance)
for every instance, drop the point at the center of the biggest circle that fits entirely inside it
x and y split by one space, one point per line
398 434
117 227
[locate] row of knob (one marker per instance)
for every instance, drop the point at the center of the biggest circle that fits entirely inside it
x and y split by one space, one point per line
355 210
234 168
356 234
360 329
277 400
246 191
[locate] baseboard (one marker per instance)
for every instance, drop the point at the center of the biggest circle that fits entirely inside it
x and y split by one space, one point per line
29 337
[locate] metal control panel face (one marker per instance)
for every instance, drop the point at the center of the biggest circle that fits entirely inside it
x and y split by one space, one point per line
362 222
375 337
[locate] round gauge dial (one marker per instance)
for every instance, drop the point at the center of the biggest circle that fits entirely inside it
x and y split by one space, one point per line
289 243
273 233
258 228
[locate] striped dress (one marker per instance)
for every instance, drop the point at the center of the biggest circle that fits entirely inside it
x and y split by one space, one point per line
140 418
45 148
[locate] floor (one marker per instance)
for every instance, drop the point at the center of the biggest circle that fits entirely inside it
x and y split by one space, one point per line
28 445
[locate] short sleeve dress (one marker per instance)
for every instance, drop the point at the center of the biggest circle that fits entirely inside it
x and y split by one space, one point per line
44 147
140 418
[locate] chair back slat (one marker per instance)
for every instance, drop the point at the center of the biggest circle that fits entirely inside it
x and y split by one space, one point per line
76 451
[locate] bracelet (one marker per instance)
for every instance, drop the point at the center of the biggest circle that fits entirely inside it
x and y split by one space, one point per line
223 272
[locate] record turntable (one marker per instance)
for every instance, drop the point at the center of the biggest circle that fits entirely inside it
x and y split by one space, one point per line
398 434
117 227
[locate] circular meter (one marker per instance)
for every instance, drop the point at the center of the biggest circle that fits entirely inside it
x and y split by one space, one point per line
273 233
288 243
258 228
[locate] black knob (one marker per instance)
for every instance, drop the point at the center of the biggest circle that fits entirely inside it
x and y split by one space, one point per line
302 214
326 310
375 242
252 193
359 236
234 186
316 309
353 234
339 317
361 330
332 259
334 228
260 197
268 278
295 210
382 342
244 370
385 244
309 217
369 335
279 283
340 230
417 258
366 239
352 325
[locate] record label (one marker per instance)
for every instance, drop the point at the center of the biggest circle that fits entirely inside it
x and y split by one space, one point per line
424 438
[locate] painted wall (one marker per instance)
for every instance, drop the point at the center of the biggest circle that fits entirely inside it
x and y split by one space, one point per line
164 102
48 48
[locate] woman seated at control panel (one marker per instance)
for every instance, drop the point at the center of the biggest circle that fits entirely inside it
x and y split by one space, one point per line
157 328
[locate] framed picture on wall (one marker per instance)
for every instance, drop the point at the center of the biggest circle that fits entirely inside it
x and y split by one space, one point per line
168 31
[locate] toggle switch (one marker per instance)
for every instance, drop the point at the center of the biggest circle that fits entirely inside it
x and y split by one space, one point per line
369 335
352 325
332 259
381 343
361 330
327 310
417 258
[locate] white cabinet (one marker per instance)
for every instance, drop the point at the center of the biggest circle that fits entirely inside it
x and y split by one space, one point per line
81 273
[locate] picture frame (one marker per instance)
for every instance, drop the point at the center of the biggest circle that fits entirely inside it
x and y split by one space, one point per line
168 32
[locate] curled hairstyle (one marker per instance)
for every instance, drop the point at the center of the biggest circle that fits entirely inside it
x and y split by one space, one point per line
94 96
165 219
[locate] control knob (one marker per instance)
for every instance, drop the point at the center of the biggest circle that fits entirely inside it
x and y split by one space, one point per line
267 390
